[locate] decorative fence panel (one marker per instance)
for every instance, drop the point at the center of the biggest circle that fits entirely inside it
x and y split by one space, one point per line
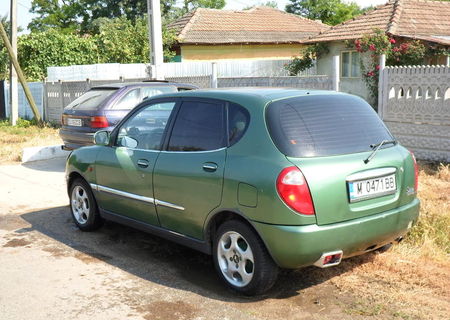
415 105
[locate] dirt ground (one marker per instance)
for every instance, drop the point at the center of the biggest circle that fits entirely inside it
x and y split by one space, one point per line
51 270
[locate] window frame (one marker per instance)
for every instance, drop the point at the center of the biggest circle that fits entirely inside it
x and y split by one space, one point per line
341 66
175 113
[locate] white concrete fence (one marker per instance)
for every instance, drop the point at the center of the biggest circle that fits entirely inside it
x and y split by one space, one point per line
415 105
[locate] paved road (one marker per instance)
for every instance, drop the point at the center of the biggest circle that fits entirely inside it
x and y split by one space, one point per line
51 270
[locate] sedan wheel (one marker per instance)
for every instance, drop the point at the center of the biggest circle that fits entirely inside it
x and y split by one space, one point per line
80 204
83 206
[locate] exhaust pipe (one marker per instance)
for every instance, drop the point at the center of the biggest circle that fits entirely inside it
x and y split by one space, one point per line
329 259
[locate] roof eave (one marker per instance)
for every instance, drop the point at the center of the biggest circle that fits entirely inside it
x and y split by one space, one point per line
239 42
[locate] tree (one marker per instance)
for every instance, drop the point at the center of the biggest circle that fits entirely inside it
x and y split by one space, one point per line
78 15
39 50
119 40
272 4
4 57
331 12
194 4
53 14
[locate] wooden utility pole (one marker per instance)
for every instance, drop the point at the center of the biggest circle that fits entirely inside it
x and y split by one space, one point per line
22 78
155 39
13 88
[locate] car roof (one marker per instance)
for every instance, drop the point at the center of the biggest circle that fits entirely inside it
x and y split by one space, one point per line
119 85
259 95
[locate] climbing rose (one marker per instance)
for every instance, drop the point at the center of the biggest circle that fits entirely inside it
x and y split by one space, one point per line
404 46
372 47
391 40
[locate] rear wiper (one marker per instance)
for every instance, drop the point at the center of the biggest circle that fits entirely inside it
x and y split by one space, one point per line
376 147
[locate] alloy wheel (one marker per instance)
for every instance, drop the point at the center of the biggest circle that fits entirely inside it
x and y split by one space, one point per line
80 204
235 259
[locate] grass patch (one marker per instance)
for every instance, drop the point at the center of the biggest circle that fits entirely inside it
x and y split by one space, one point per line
432 233
25 134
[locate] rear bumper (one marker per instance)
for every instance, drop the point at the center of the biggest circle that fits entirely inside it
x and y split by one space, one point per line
297 246
74 140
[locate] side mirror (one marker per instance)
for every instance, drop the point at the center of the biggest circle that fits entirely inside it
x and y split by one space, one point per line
101 138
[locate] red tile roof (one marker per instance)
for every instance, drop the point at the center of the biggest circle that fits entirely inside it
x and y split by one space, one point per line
409 18
257 25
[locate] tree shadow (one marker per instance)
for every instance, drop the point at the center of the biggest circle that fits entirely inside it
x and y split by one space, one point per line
163 262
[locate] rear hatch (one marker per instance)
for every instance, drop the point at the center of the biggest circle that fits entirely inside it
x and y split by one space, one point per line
329 137
80 113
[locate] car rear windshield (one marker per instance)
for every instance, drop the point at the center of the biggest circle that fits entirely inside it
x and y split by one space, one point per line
91 100
314 126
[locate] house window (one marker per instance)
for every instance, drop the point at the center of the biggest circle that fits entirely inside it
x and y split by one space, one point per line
350 64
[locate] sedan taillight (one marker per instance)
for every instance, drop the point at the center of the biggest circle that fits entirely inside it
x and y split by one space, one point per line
293 189
99 122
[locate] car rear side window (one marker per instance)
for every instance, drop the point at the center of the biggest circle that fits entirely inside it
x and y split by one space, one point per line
314 126
238 120
129 100
199 127
91 100
147 92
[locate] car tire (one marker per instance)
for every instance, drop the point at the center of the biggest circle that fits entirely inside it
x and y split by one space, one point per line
83 206
242 260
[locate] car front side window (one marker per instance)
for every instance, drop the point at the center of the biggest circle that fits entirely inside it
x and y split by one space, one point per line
145 129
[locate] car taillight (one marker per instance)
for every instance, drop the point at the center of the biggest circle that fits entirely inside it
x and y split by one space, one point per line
416 172
99 122
293 189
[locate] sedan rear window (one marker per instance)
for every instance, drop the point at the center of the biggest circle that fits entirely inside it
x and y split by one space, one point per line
315 126
91 100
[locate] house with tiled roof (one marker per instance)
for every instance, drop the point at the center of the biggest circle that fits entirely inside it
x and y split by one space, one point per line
257 33
402 20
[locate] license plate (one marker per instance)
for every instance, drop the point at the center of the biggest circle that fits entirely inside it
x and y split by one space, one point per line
74 122
372 188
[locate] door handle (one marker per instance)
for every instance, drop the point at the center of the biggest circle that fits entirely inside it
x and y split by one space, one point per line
210 166
142 163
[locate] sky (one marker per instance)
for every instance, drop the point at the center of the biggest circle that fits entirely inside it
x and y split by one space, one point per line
24 17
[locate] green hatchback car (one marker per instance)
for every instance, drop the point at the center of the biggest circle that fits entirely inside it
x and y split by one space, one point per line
259 178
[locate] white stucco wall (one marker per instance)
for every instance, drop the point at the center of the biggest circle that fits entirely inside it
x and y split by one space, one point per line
355 86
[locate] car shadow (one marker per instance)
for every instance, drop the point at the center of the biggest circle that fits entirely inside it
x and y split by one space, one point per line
51 165
166 263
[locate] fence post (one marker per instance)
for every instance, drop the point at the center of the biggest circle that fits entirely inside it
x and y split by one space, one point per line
44 100
61 96
448 61
381 84
214 75
336 73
